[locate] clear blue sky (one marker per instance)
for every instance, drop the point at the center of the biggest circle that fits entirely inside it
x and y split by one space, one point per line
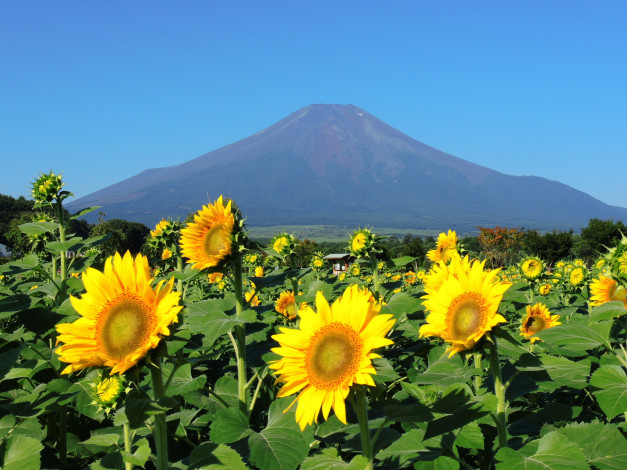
101 90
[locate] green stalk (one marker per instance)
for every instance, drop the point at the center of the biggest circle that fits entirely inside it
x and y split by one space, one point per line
59 207
240 333
500 418
478 377
54 268
362 416
160 431
63 434
375 275
127 445
179 269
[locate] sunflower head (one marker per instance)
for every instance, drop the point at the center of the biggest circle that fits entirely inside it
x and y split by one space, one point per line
531 267
286 305
445 247
545 288
283 244
317 261
259 272
166 254
122 316
577 276
538 318
605 289
354 270
214 235
410 277
47 189
330 352
463 303
363 243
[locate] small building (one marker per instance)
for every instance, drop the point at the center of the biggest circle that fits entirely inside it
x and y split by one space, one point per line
340 262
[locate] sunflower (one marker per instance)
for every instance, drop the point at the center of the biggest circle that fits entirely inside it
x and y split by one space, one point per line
283 244
214 278
208 239
286 305
259 271
545 289
531 267
605 289
464 307
444 248
162 224
251 298
354 270
577 276
410 277
538 318
622 263
600 264
329 352
122 316
166 254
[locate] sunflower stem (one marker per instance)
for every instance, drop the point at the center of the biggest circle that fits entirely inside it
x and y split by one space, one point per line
500 418
160 429
60 215
179 268
478 366
362 416
63 434
375 275
127 445
240 333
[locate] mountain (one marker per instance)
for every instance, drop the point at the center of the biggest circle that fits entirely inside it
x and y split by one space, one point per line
339 165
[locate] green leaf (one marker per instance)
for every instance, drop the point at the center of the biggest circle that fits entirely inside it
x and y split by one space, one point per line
554 452
8 360
68 245
445 372
12 304
24 265
211 457
139 407
207 317
402 261
229 425
441 463
409 447
607 311
328 459
181 380
38 228
564 372
603 445
22 452
102 440
83 212
576 336
459 408
611 389
141 454
402 302
281 445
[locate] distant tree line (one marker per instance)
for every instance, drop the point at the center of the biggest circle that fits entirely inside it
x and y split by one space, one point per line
500 245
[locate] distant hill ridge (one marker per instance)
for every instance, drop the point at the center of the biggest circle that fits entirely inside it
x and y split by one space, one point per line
339 165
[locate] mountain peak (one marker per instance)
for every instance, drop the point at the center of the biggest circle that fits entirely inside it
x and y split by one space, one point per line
337 164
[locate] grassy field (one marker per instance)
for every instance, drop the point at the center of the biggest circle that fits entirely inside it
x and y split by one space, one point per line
332 233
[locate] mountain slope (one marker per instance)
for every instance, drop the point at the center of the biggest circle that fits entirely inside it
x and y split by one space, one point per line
335 164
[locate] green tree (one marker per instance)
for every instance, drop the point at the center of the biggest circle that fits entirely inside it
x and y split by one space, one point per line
11 208
125 236
551 247
597 237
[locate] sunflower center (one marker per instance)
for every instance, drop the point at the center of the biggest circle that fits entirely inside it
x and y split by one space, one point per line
214 241
535 323
124 325
465 315
333 355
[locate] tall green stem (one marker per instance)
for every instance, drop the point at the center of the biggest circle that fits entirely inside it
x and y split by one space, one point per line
127 445
375 275
361 410
60 216
240 333
160 430
179 269
478 366
500 418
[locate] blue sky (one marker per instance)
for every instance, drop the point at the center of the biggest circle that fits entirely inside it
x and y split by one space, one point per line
103 90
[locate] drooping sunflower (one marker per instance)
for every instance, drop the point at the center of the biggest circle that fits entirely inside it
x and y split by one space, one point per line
286 305
122 316
622 263
162 224
209 238
531 267
464 307
444 247
605 289
538 318
329 352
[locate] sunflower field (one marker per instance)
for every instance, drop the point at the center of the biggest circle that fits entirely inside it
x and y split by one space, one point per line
212 351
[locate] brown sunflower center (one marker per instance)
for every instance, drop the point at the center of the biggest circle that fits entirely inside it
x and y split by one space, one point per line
124 325
535 323
214 241
333 355
466 315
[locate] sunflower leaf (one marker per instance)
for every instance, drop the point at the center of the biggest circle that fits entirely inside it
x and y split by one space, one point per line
607 311
554 451
610 383
22 452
